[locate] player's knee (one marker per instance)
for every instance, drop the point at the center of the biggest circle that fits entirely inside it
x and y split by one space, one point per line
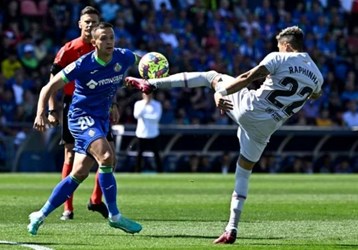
80 175
107 159
213 77
210 76
245 163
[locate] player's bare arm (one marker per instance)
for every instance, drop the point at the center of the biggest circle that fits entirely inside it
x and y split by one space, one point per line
53 114
114 111
55 84
239 83
246 78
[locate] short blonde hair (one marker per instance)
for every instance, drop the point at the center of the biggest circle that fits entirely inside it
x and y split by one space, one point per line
292 35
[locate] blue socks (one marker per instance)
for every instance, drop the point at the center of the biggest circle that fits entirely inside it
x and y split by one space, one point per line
63 190
109 188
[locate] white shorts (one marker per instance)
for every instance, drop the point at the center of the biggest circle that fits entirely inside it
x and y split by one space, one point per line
255 125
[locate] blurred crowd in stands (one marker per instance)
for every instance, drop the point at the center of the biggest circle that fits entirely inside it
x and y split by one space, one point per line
195 35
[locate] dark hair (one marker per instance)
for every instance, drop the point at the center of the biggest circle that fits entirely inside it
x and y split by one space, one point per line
90 10
101 25
292 35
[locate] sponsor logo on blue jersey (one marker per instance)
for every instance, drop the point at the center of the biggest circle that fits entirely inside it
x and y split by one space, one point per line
114 80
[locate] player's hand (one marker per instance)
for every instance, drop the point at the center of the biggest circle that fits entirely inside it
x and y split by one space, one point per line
53 119
127 84
114 114
40 123
315 96
222 103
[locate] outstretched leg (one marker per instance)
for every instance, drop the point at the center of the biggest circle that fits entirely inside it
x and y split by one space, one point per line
179 80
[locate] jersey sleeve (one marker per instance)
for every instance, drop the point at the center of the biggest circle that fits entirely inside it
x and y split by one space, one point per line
71 72
271 62
60 61
129 55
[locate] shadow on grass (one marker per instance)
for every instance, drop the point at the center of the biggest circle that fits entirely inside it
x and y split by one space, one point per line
181 220
345 246
308 245
185 236
48 243
180 236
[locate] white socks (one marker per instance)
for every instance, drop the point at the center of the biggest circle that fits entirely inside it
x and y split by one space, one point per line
238 197
186 79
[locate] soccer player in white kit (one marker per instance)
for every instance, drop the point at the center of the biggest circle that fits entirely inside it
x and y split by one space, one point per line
291 78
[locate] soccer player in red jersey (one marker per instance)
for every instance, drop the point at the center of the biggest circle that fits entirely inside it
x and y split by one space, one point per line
70 52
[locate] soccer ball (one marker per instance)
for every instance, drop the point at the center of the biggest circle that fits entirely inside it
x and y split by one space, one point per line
153 65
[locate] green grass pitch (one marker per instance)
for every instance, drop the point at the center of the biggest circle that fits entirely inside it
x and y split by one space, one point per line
188 211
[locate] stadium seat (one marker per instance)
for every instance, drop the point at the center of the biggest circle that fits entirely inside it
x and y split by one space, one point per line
43 7
354 164
122 164
29 8
126 163
183 165
323 164
170 162
2 157
35 161
342 164
216 164
234 159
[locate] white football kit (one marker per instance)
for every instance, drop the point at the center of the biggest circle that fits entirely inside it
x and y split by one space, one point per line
259 113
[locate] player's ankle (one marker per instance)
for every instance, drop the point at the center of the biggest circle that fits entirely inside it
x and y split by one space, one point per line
114 217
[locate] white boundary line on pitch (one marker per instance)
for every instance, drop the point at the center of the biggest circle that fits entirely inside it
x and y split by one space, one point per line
31 246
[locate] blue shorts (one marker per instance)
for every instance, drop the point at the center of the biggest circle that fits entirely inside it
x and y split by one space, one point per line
86 129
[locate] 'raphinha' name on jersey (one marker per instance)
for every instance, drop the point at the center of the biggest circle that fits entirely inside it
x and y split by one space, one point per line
306 72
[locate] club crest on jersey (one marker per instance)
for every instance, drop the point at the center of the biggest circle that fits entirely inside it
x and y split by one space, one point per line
117 67
91 132
70 67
